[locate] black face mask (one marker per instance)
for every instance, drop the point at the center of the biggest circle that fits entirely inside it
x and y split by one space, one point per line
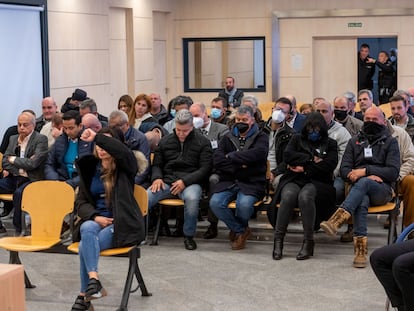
372 128
242 127
340 115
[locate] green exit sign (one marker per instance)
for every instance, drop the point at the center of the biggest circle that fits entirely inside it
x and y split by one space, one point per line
353 25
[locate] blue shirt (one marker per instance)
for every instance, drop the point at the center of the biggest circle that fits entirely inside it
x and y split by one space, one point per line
98 193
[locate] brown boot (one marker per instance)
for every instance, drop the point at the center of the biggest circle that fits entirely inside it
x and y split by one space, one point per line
332 225
361 251
240 239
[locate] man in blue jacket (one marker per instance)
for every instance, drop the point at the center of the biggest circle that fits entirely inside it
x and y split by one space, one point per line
240 162
60 163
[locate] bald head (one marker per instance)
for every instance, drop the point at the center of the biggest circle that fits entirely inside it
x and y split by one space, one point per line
91 121
374 114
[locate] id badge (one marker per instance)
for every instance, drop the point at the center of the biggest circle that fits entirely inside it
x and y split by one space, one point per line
214 144
368 152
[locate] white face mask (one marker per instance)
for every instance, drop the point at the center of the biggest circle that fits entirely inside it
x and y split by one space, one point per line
278 116
198 122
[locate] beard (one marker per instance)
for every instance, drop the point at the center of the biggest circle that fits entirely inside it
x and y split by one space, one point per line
397 117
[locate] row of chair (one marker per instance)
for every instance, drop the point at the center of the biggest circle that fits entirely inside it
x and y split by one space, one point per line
48 202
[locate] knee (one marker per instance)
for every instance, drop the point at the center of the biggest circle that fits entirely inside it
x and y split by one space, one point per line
88 227
192 194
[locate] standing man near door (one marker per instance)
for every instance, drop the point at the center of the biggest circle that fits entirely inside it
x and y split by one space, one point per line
366 69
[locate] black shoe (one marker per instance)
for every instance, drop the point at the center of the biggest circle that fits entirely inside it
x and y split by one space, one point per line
94 290
306 251
277 249
211 232
190 244
81 305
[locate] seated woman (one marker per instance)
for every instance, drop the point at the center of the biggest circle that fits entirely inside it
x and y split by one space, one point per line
125 103
394 265
140 116
110 216
311 158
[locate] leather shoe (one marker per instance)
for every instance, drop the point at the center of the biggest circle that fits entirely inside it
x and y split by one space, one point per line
189 243
306 251
277 249
240 241
211 232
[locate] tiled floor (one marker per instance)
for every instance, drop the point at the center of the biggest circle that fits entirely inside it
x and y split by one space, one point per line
216 278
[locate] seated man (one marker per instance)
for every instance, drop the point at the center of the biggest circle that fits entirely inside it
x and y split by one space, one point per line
135 140
182 161
90 121
89 106
60 163
240 162
371 163
214 132
23 162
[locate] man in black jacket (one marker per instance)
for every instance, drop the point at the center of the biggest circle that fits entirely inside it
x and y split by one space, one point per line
366 69
371 163
240 162
387 82
182 162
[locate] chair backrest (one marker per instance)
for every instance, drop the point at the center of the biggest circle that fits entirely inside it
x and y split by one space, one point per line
47 202
141 196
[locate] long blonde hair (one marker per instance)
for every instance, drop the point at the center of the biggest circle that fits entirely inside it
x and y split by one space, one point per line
108 179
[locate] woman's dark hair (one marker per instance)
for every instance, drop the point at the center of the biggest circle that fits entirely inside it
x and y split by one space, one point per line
315 120
114 132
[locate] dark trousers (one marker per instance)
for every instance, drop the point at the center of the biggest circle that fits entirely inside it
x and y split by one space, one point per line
394 267
294 196
15 185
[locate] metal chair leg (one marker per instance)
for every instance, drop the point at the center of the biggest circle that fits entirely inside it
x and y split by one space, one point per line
157 228
133 270
15 260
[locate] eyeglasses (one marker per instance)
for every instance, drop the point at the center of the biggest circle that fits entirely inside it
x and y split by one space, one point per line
278 109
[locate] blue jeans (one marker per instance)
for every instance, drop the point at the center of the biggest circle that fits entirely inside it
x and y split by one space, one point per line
244 208
94 239
15 185
364 193
191 196
339 185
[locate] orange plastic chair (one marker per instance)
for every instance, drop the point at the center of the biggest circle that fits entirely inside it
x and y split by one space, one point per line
47 202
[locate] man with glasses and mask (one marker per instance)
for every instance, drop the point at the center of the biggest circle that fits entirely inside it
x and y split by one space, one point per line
279 136
23 162
240 162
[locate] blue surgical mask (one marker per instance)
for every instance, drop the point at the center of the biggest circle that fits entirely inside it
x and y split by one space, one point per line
172 113
215 113
314 136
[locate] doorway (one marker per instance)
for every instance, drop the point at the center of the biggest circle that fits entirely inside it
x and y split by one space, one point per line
375 46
